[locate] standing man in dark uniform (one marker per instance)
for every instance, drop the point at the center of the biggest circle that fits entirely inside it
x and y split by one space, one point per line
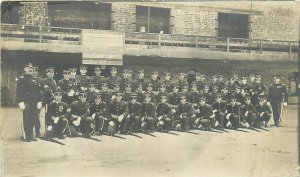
50 86
83 79
65 86
139 80
29 99
276 95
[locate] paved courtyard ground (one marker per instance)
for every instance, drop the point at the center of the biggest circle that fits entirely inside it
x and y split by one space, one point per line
265 153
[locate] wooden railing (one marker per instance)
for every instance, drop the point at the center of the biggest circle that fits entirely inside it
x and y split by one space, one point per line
210 42
41 34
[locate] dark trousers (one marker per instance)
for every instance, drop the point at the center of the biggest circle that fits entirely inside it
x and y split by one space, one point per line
265 117
30 119
220 118
121 126
100 123
165 123
59 128
250 119
186 123
234 120
276 107
134 123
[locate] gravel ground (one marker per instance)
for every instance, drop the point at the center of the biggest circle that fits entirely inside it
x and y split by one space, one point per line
265 153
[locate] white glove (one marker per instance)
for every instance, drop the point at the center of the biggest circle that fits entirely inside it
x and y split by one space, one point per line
247 125
246 113
214 111
77 122
113 97
93 116
173 111
160 117
228 124
120 118
285 104
261 114
71 93
181 116
39 105
228 115
56 120
268 103
49 128
111 123
22 105
217 123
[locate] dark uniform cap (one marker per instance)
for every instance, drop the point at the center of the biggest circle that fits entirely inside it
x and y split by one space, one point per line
220 76
232 98
113 68
237 87
244 78
175 86
73 69
167 73
128 85
141 71
155 72
218 96
83 67
258 75
140 85
98 95
214 76
50 69
91 85
181 74
276 75
215 87
206 86
83 94
162 86
116 85
125 71
66 71
235 75
149 85
198 74
104 84
248 98
133 95
202 99
194 84
251 75
97 68
163 96
231 79
119 94
185 86
147 95
182 97
225 88
58 92
130 71
203 75
29 65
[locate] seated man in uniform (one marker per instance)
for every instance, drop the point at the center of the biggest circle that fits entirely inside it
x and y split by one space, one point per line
98 112
204 115
79 119
184 114
149 119
219 107
232 114
248 113
56 117
263 112
164 114
134 114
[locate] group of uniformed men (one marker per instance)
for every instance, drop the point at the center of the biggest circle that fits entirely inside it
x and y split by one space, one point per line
83 105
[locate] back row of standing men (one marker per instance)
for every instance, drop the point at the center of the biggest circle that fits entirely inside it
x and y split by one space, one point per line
76 103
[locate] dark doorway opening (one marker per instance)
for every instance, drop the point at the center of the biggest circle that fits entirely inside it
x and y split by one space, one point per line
10 12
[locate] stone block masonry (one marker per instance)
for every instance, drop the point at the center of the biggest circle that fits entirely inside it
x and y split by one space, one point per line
33 13
123 17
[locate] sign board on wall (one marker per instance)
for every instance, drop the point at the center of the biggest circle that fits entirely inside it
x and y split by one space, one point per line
102 47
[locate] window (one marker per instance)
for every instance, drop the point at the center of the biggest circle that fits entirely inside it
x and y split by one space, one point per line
159 19
233 25
86 15
10 12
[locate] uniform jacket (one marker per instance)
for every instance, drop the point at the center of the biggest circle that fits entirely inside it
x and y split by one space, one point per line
148 109
29 90
277 93
163 109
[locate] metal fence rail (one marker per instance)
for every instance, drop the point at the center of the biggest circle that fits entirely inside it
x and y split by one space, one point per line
44 34
41 34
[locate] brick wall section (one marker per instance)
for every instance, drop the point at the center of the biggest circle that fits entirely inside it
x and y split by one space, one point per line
123 17
33 13
193 21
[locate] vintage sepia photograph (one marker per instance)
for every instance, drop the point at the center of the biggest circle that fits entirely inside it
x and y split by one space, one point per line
151 88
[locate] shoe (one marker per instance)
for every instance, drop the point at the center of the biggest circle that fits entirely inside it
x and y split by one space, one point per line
33 139
62 137
38 134
27 140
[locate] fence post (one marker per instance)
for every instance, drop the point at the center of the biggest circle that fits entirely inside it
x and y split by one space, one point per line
290 50
260 46
159 40
40 37
196 42
227 44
